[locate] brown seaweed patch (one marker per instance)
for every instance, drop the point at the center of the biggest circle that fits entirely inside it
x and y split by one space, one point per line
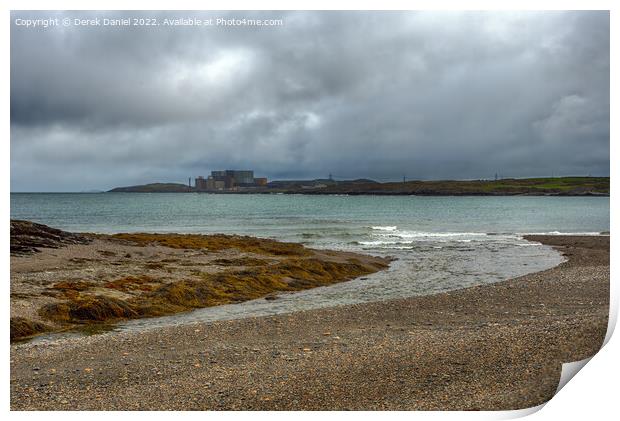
70 289
58 312
186 294
256 282
210 289
88 309
241 261
217 242
318 272
131 283
22 328
73 285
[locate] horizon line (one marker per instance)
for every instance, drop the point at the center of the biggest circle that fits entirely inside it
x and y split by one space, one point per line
97 191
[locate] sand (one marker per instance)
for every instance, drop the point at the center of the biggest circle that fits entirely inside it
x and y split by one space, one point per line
490 347
62 280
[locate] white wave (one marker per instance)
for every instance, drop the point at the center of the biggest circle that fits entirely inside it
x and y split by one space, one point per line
432 235
384 228
387 236
381 243
563 233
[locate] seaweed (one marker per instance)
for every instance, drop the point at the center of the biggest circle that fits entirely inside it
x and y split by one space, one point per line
216 242
97 308
22 328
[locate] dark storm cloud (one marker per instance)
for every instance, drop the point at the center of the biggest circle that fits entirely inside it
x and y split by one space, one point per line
380 95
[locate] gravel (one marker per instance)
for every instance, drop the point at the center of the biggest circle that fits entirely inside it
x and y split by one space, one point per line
490 347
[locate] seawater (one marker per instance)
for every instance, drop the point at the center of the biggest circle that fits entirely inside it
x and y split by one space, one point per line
440 243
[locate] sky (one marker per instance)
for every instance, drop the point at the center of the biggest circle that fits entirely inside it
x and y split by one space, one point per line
381 95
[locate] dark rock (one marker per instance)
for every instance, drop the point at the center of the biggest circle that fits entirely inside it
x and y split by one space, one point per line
27 237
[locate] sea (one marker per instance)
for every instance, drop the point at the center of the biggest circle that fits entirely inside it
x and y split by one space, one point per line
439 243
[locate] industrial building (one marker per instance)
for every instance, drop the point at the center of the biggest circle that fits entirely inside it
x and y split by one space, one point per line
229 180
238 177
201 183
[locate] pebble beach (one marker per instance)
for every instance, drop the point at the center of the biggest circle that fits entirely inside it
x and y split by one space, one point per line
491 347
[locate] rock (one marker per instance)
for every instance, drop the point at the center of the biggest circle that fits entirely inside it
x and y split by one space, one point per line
27 236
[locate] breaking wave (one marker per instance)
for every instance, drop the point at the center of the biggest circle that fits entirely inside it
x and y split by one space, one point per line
384 228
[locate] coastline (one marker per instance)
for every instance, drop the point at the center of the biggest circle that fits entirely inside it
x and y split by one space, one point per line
554 186
489 347
62 280
371 193
349 193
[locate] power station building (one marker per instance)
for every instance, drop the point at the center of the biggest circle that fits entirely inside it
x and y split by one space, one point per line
201 183
229 179
238 177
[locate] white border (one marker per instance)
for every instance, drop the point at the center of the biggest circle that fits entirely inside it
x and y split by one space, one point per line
591 395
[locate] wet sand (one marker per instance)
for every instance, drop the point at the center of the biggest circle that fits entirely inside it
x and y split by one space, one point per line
490 347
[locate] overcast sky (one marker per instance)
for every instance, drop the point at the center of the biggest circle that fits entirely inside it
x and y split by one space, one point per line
376 95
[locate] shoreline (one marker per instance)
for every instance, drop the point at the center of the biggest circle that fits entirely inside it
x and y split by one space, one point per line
351 193
62 280
571 186
489 347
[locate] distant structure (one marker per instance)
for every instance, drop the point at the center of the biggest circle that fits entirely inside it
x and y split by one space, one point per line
260 181
201 183
229 180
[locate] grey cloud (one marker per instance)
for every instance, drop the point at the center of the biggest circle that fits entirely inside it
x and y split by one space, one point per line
357 94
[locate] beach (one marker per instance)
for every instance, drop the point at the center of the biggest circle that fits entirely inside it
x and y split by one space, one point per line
306 210
62 280
490 347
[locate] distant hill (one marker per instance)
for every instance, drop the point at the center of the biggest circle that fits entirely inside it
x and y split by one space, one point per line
318 182
556 186
154 188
